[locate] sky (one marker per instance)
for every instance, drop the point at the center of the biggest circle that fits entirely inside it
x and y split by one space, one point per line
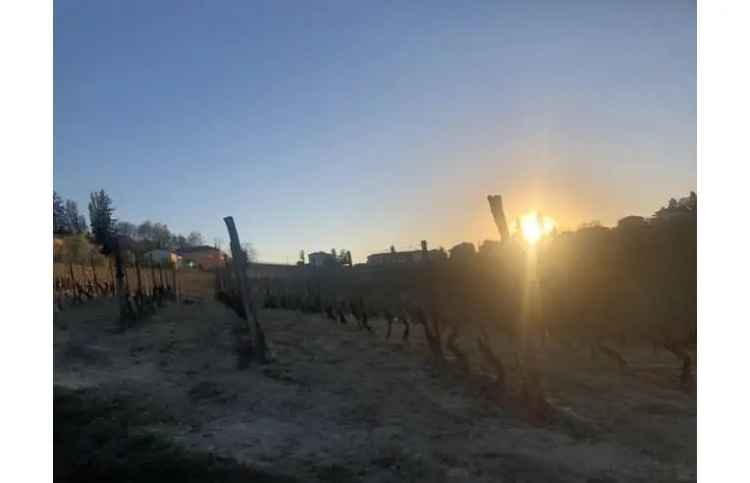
362 125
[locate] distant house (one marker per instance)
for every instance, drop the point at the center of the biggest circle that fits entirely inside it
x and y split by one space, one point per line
203 257
162 257
322 259
412 256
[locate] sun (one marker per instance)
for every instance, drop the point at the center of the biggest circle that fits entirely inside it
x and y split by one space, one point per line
534 227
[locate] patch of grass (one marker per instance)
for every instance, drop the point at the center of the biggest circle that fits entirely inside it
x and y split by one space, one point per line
100 440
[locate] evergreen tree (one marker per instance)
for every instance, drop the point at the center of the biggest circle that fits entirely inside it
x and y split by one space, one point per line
102 223
59 222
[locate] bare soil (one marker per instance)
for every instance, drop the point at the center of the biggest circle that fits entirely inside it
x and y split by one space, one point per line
165 401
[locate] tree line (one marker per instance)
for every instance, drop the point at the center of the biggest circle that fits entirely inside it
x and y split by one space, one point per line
66 220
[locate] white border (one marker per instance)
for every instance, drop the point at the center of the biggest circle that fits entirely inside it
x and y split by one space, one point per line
26 182
723 288
26 268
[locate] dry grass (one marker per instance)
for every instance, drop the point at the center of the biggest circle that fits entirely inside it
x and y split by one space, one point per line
342 405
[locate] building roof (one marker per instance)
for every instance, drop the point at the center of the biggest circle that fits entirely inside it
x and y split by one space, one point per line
199 248
160 250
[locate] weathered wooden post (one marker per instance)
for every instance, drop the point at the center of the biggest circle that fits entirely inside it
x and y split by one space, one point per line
239 262
120 287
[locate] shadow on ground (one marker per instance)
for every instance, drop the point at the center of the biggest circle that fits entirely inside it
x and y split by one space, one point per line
97 440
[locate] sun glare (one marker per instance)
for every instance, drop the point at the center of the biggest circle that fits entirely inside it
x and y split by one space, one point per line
534 227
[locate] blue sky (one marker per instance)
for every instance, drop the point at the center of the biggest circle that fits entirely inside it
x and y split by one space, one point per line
364 124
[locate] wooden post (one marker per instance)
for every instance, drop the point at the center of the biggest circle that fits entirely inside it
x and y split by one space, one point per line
139 294
498 214
127 279
112 276
153 279
121 297
96 280
239 261
161 274
138 275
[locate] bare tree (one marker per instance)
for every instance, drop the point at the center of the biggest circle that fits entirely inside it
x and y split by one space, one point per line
161 235
250 253
145 231
125 228
195 239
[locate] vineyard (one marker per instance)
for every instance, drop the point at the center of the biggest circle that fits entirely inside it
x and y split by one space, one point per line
597 290
76 284
582 346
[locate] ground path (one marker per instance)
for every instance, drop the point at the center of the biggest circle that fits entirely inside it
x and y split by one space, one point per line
341 405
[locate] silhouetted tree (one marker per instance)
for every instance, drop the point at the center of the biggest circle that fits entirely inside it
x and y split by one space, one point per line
688 204
344 257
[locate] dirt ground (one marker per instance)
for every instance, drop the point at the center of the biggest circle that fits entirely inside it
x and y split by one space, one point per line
339 404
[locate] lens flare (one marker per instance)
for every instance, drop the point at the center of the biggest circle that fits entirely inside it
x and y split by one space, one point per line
534 227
